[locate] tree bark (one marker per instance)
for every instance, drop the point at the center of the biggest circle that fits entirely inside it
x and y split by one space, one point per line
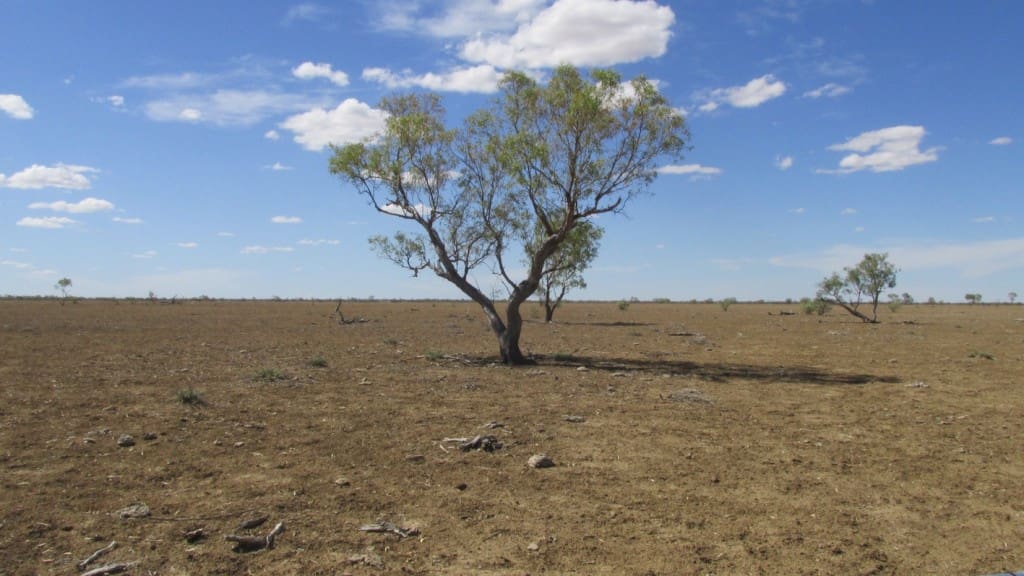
509 339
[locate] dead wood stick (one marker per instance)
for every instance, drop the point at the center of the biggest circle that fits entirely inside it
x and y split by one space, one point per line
254 543
109 569
389 528
96 555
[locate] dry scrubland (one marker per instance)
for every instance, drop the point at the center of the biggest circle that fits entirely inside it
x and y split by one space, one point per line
711 441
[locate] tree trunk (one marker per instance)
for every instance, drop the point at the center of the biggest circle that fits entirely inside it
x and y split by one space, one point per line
509 339
549 312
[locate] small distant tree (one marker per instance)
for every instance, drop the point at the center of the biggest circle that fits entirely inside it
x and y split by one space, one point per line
1013 297
974 298
864 282
815 306
895 302
63 284
725 303
565 267
906 298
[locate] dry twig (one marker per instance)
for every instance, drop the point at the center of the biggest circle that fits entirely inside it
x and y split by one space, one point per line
255 543
390 528
109 569
96 555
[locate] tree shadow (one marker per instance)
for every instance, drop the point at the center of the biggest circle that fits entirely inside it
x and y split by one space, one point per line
605 324
717 372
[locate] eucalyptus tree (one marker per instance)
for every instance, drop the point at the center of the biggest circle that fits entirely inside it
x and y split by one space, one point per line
866 280
567 264
545 157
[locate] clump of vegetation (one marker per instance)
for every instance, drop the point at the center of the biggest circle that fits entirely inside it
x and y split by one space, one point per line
433 355
866 280
980 354
391 341
190 397
623 305
726 302
63 284
814 306
270 375
974 298
318 362
662 300
895 303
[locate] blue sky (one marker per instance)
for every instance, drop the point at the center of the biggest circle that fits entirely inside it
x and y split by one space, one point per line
181 147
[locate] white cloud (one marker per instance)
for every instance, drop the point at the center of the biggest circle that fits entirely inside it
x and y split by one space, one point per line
886 150
750 95
983 219
477 79
266 249
36 176
226 107
352 121
784 162
970 259
226 234
461 18
16 107
310 70
116 100
180 81
86 206
797 210
271 135
578 32
848 211
121 220
278 167
306 11
1001 141
16 264
286 220
397 210
145 255
830 90
319 242
189 245
693 169
49 222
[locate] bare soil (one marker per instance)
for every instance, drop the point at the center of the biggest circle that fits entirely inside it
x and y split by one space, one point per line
686 439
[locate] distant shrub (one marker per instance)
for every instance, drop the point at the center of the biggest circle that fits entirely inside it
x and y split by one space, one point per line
269 375
433 355
726 302
623 305
814 306
895 302
662 300
190 397
318 362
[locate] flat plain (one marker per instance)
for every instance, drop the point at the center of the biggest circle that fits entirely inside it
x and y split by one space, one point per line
687 439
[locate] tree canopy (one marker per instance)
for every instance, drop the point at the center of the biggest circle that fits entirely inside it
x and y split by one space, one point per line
868 279
514 181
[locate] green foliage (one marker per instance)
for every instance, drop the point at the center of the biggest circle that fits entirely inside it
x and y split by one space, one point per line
63 284
661 300
270 375
866 280
726 302
973 298
520 180
318 362
565 267
190 397
982 355
1012 296
895 303
433 355
623 305
814 306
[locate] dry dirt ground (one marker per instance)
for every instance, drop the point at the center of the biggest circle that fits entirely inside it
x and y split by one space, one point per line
702 441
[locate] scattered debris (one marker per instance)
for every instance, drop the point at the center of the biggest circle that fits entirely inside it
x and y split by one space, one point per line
493 424
255 543
691 395
369 558
342 481
918 384
533 547
461 486
540 461
341 317
388 527
109 569
486 443
149 436
193 536
125 440
253 523
96 555
137 510
582 369
574 419
416 458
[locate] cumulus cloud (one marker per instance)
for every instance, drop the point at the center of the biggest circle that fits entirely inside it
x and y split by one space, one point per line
480 79
271 135
784 162
750 95
578 32
1001 141
310 70
121 220
86 206
830 90
351 121
67 176
49 222
692 169
116 100
286 220
16 107
886 150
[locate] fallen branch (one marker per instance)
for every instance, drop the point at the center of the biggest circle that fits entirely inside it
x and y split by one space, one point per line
389 528
96 555
109 569
486 443
255 543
